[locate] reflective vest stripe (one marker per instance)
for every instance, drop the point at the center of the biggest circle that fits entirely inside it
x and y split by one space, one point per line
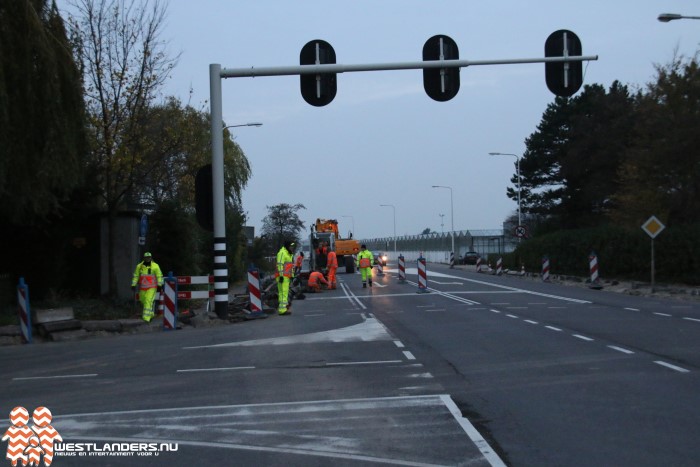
364 262
147 281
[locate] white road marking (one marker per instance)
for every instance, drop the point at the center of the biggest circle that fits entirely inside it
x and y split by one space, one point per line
377 284
511 316
495 311
632 309
579 336
553 328
692 319
472 432
531 322
673 367
194 370
399 344
28 378
376 362
436 309
661 314
409 355
447 283
620 349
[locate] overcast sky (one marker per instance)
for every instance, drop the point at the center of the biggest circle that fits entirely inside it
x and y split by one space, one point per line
383 140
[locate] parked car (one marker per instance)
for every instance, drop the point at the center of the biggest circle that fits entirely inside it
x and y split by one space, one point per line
381 258
470 257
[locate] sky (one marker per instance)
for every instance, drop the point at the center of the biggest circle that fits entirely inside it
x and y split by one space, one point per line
383 140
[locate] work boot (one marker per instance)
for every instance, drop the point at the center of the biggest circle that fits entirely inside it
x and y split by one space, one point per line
370 283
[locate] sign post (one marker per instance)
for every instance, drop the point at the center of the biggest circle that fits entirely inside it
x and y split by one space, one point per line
652 227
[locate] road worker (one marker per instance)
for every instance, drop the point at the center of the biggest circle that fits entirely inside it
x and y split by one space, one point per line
332 265
149 279
315 280
365 261
284 276
298 264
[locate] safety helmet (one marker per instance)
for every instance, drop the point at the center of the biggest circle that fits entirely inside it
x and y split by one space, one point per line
363 246
147 255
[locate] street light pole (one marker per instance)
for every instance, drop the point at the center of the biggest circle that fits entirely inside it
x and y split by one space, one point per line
666 17
353 225
394 209
452 219
517 158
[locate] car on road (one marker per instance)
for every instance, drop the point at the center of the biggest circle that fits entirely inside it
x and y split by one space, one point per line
381 258
470 257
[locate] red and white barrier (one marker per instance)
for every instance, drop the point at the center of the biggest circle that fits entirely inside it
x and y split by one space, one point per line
402 269
254 291
478 264
169 300
499 266
593 266
422 276
545 269
24 311
380 269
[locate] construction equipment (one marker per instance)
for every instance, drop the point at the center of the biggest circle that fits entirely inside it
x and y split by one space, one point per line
326 231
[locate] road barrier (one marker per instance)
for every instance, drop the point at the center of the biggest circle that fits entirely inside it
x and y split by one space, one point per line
593 266
380 269
478 264
499 266
402 269
254 293
452 260
422 276
169 300
545 269
24 311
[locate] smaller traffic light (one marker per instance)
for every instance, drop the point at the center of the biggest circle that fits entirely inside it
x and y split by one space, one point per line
441 84
563 78
204 198
318 89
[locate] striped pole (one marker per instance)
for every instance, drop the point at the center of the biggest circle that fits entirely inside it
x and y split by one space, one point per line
254 290
170 302
499 266
545 269
380 269
422 276
220 278
452 260
24 311
402 269
478 264
593 265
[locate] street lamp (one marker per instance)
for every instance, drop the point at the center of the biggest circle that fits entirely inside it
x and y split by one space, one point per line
452 219
394 209
666 17
517 158
353 225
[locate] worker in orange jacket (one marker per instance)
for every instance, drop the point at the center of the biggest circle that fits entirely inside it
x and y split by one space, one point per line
332 267
298 263
315 280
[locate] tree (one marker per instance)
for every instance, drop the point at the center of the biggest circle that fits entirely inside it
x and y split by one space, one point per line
41 113
124 64
426 231
569 170
282 223
661 167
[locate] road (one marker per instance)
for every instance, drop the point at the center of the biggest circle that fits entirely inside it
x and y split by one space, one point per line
481 370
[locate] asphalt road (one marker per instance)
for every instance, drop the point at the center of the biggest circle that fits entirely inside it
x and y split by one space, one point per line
482 370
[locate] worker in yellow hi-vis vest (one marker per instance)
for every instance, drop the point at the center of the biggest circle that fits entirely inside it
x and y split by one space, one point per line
149 279
285 272
365 261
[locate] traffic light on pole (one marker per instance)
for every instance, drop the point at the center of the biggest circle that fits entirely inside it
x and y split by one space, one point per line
318 89
563 78
441 84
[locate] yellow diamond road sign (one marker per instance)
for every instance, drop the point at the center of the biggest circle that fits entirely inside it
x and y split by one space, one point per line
653 227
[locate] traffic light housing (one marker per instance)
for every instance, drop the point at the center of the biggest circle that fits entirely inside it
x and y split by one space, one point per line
441 84
204 198
563 78
318 89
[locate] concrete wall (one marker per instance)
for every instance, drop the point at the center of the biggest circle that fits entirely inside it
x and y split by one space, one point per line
127 253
